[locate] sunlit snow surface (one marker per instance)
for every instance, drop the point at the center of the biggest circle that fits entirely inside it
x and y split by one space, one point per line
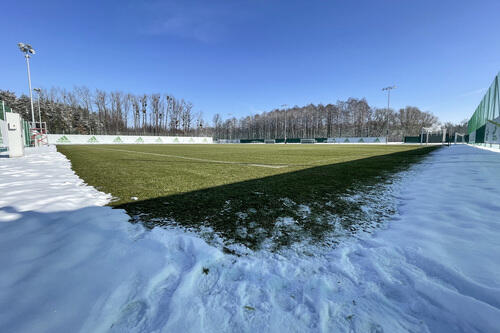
69 265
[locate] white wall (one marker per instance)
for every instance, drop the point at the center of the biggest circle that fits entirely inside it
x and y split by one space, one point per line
15 134
3 134
74 139
492 131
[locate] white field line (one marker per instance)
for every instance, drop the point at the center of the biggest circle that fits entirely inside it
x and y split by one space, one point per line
199 159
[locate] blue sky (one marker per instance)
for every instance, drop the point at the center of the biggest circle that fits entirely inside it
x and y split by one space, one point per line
243 57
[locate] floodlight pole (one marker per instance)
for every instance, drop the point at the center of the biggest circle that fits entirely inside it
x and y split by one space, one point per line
387 115
27 49
38 90
27 56
276 132
285 107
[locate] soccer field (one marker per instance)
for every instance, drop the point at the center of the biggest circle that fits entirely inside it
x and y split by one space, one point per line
245 193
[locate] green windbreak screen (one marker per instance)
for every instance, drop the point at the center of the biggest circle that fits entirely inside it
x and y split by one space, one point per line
488 109
27 137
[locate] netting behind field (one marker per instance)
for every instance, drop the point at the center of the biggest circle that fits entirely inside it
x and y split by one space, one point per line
482 126
367 139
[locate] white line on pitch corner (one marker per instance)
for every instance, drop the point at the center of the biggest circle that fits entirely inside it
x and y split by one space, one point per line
279 166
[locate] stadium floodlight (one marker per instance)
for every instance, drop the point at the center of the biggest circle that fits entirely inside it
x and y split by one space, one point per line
39 91
388 89
27 50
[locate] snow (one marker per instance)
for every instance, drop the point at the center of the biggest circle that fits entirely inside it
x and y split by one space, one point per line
69 264
43 181
490 147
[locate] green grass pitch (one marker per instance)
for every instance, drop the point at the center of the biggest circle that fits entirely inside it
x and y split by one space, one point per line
244 193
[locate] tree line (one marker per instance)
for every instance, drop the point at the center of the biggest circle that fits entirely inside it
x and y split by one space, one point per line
353 117
82 111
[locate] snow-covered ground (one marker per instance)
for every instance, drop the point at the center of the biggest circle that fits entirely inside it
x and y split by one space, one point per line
490 147
68 264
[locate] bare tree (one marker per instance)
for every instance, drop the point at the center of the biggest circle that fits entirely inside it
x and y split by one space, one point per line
144 104
81 111
155 108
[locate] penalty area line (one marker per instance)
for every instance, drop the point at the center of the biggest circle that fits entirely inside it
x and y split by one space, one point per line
198 159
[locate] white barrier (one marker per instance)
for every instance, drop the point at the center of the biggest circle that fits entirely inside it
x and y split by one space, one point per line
4 141
75 139
15 134
492 131
367 139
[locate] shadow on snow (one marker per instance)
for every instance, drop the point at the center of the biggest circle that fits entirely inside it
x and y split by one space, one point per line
313 205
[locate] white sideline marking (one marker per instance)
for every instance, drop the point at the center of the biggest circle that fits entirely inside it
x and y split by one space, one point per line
200 159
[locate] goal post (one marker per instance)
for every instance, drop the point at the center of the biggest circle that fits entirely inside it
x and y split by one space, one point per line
307 141
269 141
434 134
459 137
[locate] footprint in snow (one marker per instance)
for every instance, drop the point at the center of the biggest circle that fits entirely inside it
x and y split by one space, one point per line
130 317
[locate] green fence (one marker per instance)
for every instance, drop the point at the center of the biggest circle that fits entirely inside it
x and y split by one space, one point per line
435 138
488 109
412 139
27 135
4 109
251 140
289 140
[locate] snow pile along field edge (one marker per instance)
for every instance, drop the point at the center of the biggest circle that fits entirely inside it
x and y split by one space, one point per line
434 267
